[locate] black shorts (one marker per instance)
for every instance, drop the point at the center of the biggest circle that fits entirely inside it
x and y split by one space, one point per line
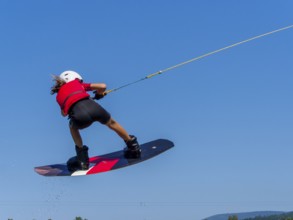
83 113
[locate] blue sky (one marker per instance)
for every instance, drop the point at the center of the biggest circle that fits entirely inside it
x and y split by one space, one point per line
229 115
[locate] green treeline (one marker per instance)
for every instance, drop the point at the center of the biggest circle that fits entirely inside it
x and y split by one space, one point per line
286 216
76 218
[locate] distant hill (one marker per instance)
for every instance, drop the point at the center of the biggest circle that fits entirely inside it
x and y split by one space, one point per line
285 216
244 215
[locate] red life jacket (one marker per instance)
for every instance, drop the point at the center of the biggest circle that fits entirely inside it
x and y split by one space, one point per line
70 93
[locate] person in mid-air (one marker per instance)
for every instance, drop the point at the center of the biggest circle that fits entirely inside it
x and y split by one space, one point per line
82 111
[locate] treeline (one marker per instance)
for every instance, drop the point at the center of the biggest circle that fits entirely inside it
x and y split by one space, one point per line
286 216
76 218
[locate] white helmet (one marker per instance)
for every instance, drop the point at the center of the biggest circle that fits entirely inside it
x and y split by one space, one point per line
69 76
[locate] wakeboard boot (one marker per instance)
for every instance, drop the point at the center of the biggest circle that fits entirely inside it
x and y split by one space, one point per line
132 149
73 164
82 157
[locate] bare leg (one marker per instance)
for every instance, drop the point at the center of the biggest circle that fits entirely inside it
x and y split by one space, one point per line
76 137
115 126
133 149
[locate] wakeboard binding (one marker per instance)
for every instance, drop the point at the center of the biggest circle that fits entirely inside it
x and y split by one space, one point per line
132 149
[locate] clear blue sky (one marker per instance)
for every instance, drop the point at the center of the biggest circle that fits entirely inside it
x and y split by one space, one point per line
230 114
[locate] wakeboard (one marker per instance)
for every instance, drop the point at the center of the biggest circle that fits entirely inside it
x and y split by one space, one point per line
108 162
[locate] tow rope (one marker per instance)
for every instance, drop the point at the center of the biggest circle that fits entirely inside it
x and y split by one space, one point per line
198 58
